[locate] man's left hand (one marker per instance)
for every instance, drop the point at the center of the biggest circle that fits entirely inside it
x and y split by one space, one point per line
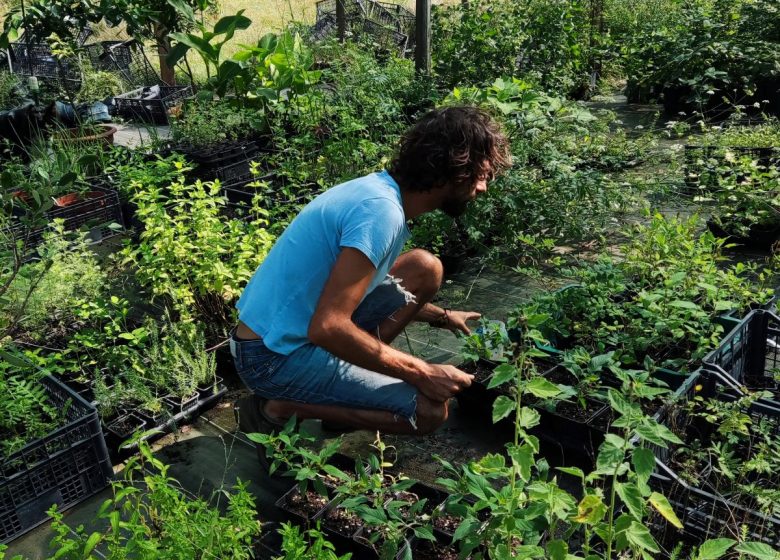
456 321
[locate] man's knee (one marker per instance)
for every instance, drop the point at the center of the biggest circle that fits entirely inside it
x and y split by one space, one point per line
430 415
421 271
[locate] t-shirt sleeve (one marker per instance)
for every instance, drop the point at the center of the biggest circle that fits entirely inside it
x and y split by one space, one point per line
372 227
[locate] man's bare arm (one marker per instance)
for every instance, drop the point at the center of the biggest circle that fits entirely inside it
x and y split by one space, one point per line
332 328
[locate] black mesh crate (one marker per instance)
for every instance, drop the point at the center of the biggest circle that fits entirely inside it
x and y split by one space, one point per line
64 468
750 354
703 509
96 212
36 59
151 104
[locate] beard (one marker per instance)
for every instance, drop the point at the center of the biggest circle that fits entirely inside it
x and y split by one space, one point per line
456 203
454 207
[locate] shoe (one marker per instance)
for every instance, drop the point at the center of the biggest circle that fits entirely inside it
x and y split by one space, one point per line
251 418
336 428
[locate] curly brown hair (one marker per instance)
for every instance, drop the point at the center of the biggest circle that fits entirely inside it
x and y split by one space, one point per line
452 145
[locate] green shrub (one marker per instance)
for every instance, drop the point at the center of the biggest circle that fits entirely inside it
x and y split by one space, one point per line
716 54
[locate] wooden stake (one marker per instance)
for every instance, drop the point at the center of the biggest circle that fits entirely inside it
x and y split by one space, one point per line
422 51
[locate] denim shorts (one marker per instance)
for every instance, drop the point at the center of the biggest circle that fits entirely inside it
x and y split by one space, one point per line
313 375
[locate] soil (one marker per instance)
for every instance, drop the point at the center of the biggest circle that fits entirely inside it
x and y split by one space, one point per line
342 521
573 410
125 425
306 505
436 551
447 523
481 370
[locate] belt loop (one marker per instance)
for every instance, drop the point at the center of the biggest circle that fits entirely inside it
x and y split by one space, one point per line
234 347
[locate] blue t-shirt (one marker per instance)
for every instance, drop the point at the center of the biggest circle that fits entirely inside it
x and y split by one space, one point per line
365 213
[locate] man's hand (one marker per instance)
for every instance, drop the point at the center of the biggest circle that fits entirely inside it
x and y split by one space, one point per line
440 382
456 321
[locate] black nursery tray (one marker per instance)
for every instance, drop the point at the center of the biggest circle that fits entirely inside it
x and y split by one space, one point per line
121 426
64 468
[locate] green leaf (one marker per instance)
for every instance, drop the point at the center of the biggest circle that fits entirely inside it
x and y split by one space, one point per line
758 550
644 462
662 506
543 389
523 458
228 24
682 304
502 374
91 543
632 498
557 549
424 532
467 527
529 417
714 549
183 8
502 407
176 53
639 536
590 510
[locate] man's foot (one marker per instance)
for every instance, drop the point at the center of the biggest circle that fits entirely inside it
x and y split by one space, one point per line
336 428
252 419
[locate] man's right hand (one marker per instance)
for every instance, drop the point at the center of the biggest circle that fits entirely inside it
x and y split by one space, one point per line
441 382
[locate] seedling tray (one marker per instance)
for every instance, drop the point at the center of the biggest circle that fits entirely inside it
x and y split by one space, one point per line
172 415
750 354
64 468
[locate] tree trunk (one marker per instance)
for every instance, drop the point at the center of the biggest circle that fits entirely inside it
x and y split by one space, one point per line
163 47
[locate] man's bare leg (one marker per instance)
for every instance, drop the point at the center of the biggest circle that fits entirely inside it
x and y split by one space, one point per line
430 415
421 273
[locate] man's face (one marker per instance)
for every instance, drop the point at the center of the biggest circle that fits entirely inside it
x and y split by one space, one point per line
456 202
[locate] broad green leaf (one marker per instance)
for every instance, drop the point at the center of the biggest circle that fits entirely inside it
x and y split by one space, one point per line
714 549
529 417
632 498
758 550
543 389
644 462
503 407
228 24
590 510
183 8
523 458
467 527
502 374
662 506
639 536
557 550
682 304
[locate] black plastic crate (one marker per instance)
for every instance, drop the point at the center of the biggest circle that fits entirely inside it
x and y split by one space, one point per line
750 354
64 468
705 513
96 212
36 59
151 104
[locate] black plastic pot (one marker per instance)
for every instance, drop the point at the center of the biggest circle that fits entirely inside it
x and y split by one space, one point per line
302 509
758 236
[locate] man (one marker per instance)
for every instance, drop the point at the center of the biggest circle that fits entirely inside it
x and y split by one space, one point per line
318 316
